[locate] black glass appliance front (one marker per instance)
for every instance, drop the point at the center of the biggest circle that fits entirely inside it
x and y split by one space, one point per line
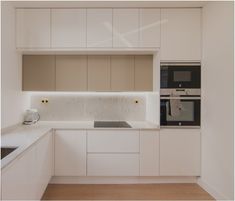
180 76
188 115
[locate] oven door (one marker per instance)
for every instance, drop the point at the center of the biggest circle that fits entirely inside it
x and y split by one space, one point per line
180 76
188 113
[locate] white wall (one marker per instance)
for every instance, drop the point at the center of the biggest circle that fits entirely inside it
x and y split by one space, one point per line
13 100
217 99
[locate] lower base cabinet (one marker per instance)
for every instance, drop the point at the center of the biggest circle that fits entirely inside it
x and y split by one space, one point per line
180 152
113 164
149 153
70 153
27 177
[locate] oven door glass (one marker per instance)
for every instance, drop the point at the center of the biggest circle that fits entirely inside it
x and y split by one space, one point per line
182 112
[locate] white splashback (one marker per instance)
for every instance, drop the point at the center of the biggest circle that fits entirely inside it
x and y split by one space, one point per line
90 106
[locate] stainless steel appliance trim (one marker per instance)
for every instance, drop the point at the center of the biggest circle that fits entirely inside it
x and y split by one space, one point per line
180 91
181 98
180 64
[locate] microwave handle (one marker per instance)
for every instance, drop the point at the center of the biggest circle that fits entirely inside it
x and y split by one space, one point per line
169 108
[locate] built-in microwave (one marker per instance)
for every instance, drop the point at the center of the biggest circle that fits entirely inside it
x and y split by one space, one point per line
180 75
180 111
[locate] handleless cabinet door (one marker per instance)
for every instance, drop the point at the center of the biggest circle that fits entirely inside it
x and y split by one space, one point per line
112 164
113 141
143 73
150 28
71 73
122 73
149 153
181 34
70 153
99 73
38 73
180 152
44 163
33 28
68 28
99 27
18 179
125 27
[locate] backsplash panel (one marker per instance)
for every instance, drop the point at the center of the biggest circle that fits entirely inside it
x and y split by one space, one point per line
86 107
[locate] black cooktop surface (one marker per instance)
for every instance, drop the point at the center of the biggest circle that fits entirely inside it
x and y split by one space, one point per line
111 124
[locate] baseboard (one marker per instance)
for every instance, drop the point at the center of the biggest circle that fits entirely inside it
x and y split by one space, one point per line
121 180
215 194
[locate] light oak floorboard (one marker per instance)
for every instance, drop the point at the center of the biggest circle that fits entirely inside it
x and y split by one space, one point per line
125 192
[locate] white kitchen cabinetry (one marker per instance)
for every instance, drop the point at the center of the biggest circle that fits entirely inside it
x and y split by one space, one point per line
113 153
44 163
70 153
113 164
99 27
18 180
149 153
68 28
27 177
113 141
150 26
33 28
125 27
179 152
181 34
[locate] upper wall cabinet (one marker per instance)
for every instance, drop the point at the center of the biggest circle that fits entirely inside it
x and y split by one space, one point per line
181 34
99 27
98 73
143 73
125 27
33 28
71 73
149 29
122 73
68 28
38 73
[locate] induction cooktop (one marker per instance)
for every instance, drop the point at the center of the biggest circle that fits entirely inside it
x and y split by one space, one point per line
111 124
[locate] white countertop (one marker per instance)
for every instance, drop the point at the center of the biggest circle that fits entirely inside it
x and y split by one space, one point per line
25 136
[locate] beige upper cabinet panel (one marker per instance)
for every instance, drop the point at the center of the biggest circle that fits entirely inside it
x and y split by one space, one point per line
125 27
68 28
122 73
181 34
150 26
99 73
33 28
71 73
38 73
99 27
143 73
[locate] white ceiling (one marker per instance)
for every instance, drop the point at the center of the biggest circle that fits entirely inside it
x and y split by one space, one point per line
103 4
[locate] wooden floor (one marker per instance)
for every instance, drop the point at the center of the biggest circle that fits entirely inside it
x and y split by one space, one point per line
125 192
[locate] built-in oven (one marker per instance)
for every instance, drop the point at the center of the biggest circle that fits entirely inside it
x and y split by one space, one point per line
180 75
180 111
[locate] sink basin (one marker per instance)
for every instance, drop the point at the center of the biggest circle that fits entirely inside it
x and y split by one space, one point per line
6 150
111 124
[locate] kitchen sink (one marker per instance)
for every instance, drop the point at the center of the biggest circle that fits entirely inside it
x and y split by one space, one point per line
111 124
6 150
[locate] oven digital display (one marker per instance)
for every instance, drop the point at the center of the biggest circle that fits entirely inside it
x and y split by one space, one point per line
182 76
